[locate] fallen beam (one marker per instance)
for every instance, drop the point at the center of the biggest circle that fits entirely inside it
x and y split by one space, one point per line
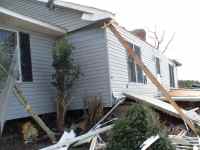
68 142
164 107
183 99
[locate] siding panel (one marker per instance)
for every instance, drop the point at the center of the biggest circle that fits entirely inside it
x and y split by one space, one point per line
91 55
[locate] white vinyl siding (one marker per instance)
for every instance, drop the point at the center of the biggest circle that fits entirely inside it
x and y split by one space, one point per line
90 54
40 93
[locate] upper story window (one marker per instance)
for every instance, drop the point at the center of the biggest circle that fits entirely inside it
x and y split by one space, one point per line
11 40
158 66
135 73
171 76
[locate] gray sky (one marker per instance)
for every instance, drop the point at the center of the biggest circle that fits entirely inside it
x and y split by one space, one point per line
179 16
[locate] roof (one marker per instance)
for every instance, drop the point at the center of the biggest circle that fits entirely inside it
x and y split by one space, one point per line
31 23
98 14
178 64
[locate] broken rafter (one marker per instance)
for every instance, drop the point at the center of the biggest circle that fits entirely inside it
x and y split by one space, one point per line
22 99
24 102
68 142
137 60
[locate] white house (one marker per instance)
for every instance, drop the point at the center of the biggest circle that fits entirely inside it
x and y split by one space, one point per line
103 61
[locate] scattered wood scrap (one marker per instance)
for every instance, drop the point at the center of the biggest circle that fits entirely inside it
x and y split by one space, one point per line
164 107
65 143
185 142
149 142
184 93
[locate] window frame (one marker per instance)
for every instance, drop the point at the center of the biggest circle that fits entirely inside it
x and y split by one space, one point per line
136 66
17 51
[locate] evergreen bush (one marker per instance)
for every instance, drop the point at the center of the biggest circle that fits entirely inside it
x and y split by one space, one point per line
139 124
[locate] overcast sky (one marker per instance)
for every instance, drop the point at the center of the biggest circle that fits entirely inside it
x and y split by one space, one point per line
179 16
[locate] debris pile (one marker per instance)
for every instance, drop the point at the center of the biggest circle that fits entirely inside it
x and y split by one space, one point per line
180 135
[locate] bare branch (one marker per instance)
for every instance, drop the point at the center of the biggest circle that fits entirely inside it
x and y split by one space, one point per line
158 40
169 42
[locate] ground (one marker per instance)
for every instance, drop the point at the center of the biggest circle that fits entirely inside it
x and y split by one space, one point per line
12 138
16 143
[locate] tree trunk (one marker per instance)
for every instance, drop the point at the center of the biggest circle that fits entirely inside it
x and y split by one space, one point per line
60 100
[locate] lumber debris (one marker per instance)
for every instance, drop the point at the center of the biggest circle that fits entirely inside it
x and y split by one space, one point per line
67 142
149 142
93 143
24 102
185 142
12 86
165 107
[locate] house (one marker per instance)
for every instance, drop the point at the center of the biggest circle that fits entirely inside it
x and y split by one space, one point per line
107 70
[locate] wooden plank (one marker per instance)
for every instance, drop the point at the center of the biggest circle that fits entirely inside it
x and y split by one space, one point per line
89 135
164 107
137 60
184 93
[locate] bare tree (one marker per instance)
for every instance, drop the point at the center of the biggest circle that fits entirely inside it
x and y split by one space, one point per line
168 43
159 39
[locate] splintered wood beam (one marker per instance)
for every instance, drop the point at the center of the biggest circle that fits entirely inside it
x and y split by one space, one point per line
22 99
138 61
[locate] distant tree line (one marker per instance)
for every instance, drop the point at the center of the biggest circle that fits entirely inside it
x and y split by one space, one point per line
189 84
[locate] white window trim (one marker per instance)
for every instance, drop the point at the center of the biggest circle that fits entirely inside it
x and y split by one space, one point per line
17 51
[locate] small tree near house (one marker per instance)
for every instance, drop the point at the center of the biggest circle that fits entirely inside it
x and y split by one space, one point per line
139 124
66 72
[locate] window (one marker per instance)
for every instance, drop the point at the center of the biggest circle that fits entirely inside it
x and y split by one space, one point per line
135 73
8 44
171 76
140 77
158 66
25 57
12 40
131 67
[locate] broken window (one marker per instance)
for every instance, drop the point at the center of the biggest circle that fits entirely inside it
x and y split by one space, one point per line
158 66
171 76
25 57
135 73
8 44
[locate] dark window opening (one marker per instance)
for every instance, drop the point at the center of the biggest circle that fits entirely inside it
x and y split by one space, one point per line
25 57
171 75
131 70
158 66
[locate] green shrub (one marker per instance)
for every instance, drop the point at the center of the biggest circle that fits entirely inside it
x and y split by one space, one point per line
139 124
